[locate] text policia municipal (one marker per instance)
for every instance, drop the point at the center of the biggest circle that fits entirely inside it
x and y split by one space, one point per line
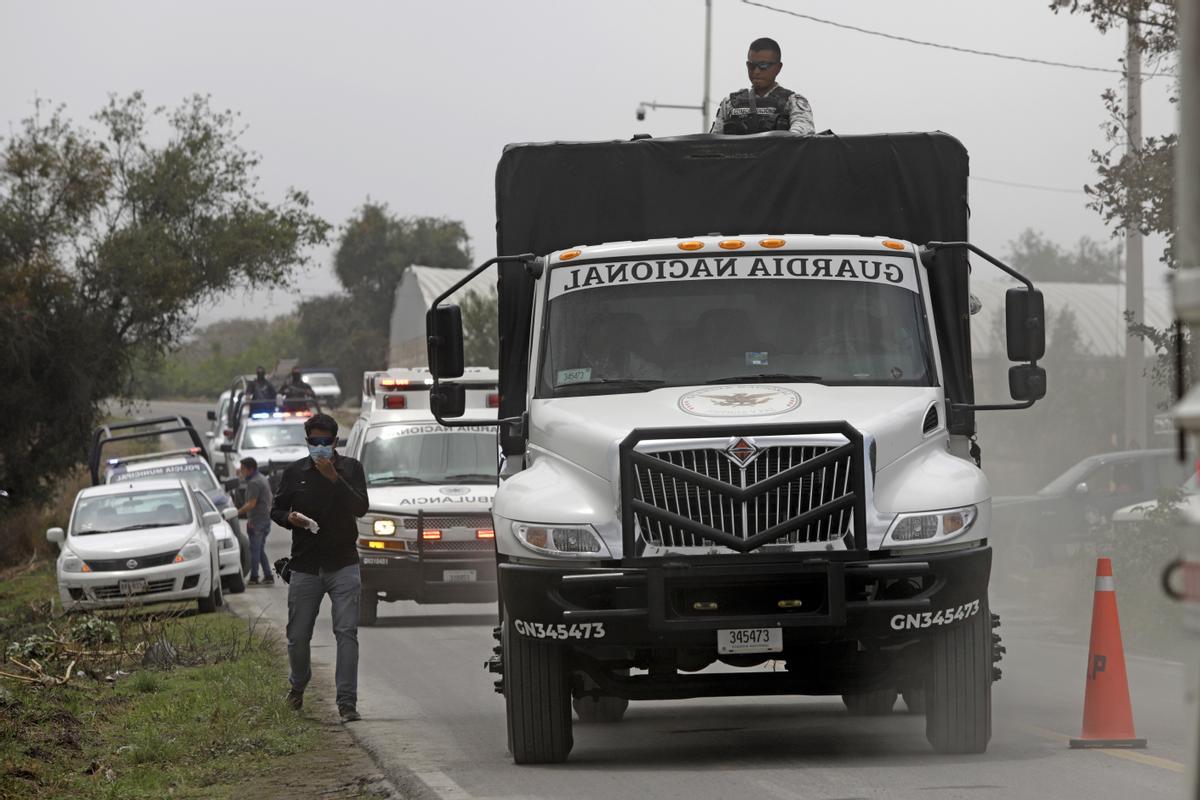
894 271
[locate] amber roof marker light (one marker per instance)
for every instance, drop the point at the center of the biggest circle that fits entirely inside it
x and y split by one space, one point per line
569 254
772 243
731 244
892 245
690 245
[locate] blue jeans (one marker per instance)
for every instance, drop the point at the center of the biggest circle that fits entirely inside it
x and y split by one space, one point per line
305 593
258 550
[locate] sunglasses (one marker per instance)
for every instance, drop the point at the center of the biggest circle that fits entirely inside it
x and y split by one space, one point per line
321 441
763 65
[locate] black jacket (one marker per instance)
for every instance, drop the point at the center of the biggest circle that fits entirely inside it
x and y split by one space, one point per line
333 504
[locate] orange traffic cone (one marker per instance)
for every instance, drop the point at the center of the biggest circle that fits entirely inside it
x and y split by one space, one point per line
1107 714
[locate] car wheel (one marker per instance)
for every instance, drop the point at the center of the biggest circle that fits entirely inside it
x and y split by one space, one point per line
236 583
215 599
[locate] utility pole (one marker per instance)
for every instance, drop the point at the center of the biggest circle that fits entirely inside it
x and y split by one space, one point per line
705 119
1136 426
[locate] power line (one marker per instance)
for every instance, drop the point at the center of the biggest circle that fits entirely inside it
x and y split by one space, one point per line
1037 186
939 45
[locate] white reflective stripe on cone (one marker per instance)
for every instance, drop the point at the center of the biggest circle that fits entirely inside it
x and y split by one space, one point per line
1104 583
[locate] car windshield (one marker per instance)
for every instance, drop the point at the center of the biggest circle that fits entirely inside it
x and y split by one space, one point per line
635 326
1071 478
261 436
198 476
130 511
395 455
320 380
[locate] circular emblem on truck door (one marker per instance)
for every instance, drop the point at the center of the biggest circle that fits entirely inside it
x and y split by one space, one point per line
739 400
455 491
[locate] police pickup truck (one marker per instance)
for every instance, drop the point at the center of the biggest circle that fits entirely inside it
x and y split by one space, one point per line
737 411
428 535
269 431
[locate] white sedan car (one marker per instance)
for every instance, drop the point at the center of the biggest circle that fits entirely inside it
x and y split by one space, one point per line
139 543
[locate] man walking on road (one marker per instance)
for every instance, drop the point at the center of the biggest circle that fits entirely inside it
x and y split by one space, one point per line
257 512
765 105
319 499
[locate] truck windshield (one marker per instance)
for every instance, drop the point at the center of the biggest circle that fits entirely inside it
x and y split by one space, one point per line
395 455
636 326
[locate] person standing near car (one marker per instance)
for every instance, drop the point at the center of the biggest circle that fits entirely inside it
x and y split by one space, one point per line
257 513
319 499
295 387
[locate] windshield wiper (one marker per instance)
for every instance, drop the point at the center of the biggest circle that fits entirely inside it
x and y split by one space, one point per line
472 477
138 527
769 376
620 384
398 480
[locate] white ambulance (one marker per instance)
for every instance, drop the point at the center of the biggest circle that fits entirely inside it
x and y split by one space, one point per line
428 535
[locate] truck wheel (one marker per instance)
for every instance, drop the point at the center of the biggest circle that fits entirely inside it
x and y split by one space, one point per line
368 608
871 704
605 708
958 690
537 699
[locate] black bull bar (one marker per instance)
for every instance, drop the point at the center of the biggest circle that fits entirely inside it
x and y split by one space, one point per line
855 499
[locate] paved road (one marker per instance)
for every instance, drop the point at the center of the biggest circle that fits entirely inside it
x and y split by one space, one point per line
430 714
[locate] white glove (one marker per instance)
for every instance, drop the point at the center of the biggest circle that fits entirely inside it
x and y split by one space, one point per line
308 522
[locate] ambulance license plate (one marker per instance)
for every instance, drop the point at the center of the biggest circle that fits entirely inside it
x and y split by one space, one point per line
378 562
458 576
133 586
750 640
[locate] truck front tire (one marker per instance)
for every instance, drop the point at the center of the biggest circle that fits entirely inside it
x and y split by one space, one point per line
537 699
958 691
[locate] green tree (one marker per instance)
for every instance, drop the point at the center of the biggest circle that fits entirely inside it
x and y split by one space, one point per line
1137 188
1032 254
110 240
375 249
481 328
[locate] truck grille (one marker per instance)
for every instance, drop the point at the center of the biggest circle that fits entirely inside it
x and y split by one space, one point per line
831 482
443 521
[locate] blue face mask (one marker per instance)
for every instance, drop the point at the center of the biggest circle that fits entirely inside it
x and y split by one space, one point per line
322 451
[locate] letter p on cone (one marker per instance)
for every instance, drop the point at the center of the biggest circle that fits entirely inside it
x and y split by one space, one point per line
1107 714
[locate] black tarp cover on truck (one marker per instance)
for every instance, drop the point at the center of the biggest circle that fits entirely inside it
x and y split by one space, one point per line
909 186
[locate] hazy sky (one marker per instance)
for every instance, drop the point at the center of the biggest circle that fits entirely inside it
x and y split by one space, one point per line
411 102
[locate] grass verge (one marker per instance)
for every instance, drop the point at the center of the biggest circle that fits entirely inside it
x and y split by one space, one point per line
195 725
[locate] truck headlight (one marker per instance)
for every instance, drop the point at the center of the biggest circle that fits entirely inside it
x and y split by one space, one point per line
384 527
579 541
932 526
189 552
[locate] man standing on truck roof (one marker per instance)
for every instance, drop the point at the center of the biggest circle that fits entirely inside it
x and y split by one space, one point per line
765 106
319 498
295 387
260 387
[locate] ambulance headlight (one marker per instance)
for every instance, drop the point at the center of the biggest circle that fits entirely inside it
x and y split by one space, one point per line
577 541
931 527
384 527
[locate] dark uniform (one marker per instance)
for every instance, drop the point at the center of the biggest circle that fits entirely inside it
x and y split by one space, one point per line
779 109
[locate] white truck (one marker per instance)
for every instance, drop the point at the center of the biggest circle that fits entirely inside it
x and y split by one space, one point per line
740 447
428 535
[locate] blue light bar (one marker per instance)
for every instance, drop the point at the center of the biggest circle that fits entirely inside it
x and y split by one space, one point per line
259 415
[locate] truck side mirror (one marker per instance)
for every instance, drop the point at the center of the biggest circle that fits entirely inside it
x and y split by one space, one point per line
1026 382
448 399
443 326
1025 326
